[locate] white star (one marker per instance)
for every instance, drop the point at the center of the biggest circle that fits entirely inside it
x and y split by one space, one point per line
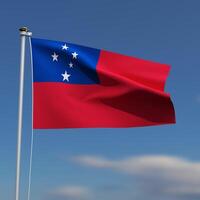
74 55
66 76
71 65
55 56
65 47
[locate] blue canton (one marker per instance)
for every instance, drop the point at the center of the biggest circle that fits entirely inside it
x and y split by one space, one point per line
55 61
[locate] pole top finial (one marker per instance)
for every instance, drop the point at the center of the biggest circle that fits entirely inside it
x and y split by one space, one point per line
24 31
24 28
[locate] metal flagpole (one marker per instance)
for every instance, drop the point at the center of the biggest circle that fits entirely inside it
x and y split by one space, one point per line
23 34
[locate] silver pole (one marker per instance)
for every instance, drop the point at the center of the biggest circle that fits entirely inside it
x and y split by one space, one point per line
23 33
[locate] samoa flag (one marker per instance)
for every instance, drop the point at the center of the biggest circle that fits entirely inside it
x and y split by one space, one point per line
81 87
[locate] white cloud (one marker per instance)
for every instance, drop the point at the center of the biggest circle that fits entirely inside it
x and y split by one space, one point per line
72 192
163 175
93 161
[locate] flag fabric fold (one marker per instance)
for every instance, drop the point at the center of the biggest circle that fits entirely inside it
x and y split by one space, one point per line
81 87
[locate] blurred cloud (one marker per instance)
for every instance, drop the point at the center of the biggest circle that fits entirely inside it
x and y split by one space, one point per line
70 192
157 176
198 98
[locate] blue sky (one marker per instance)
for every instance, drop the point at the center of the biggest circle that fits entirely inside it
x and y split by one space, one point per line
134 163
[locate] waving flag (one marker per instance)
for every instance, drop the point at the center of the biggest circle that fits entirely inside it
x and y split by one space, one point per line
76 87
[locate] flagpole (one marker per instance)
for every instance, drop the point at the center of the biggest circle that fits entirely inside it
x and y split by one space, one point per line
23 34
